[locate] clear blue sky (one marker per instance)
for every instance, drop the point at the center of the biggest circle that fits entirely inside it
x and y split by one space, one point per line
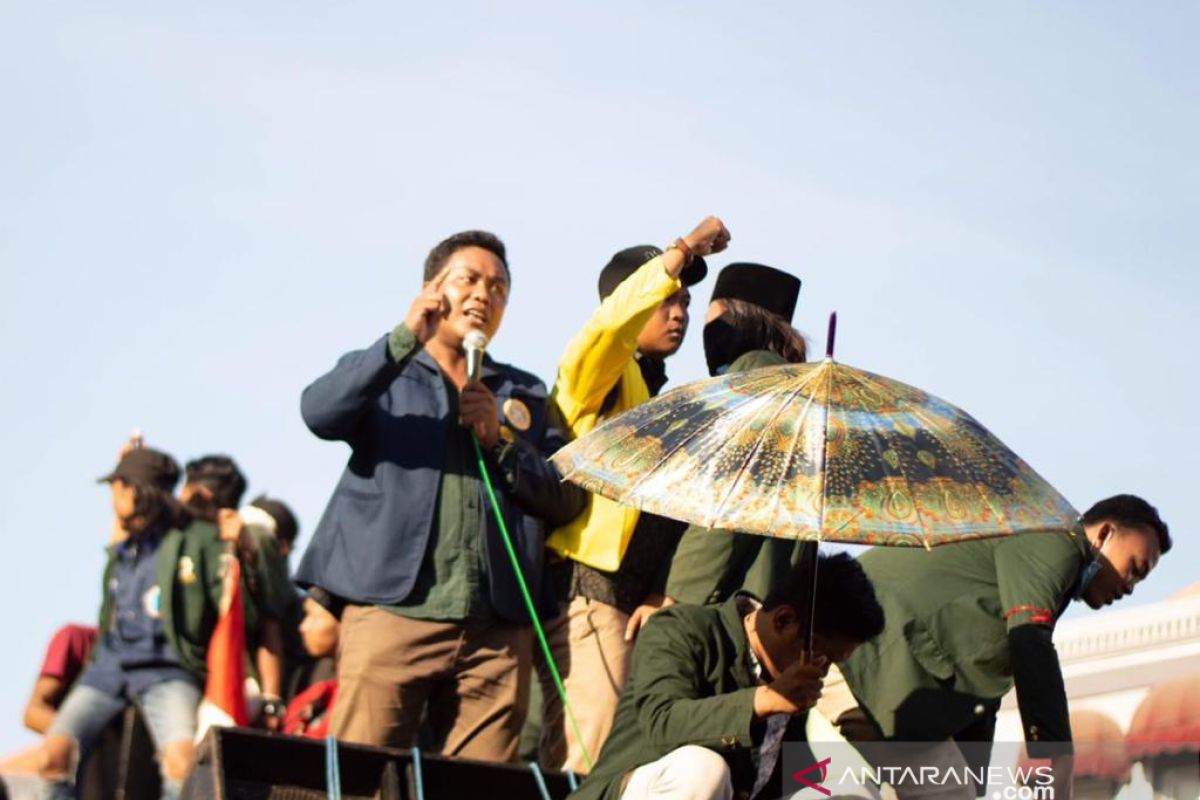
202 206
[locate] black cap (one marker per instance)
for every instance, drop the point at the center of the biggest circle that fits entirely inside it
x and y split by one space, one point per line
626 262
146 465
767 287
286 526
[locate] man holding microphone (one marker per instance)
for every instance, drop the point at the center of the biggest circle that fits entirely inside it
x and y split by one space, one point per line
434 616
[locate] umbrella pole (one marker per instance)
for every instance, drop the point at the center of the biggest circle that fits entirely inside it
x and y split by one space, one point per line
808 602
808 556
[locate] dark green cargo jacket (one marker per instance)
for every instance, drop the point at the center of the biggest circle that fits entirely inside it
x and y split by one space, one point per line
945 659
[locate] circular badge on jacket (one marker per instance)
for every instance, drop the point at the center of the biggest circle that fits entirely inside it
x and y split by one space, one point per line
518 414
152 602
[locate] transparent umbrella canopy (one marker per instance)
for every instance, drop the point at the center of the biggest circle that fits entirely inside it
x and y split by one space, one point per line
817 452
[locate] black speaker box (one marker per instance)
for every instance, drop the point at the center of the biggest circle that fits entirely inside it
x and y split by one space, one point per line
238 764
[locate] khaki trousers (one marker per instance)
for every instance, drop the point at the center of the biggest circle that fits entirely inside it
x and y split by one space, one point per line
471 677
588 642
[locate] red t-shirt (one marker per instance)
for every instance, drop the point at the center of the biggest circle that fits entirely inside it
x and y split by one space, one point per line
68 652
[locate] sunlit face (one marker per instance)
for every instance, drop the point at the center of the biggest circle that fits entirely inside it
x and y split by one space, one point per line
124 499
319 629
1127 555
476 294
663 334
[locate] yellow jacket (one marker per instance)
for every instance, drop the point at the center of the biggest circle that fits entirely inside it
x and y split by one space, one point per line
597 358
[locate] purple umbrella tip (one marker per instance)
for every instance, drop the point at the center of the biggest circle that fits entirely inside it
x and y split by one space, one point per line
831 336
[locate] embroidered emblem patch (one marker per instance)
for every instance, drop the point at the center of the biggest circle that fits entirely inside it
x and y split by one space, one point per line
518 414
187 570
152 602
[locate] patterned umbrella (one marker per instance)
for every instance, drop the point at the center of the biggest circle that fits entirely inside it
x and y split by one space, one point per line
817 452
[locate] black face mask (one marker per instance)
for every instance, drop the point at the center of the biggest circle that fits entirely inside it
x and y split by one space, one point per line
723 343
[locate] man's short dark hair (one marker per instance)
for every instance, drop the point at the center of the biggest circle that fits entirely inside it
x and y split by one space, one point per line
286 526
1130 511
845 601
441 252
221 476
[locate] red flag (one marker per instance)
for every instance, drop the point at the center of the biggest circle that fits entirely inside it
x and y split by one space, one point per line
225 692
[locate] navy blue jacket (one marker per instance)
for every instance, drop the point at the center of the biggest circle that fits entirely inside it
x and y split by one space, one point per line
370 542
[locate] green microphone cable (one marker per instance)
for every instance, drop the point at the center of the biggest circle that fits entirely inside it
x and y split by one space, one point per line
537 625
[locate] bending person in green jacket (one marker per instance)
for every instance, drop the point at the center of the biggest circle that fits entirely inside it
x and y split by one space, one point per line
969 621
714 692
748 326
162 591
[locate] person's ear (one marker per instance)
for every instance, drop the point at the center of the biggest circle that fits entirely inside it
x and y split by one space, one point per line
783 618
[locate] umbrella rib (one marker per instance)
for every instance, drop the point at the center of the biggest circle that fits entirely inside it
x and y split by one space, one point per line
919 412
793 446
825 456
720 508
733 483
683 443
633 432
861 378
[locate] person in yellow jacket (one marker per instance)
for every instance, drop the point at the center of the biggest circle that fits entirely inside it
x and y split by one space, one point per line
610 561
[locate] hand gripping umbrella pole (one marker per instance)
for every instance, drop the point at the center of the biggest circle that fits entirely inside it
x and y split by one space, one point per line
533 617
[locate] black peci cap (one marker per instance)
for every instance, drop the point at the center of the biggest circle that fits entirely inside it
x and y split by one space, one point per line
626 262
775 290
146 465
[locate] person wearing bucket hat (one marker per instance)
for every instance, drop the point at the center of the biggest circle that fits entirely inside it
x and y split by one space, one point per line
749 326
147 465
161 591
606 561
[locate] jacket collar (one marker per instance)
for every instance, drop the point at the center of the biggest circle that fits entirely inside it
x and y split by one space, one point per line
735 629
490 368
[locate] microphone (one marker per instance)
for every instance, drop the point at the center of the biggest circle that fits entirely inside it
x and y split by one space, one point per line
474 343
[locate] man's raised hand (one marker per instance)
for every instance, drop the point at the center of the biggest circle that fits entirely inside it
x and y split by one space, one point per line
427 310
710 236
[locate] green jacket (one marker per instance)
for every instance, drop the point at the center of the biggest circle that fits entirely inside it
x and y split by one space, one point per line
710 565
690 683
944 659
190 577
268 578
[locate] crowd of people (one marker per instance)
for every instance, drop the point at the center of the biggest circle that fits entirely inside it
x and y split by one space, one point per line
682 650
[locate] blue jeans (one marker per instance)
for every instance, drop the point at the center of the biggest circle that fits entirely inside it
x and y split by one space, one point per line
169 709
